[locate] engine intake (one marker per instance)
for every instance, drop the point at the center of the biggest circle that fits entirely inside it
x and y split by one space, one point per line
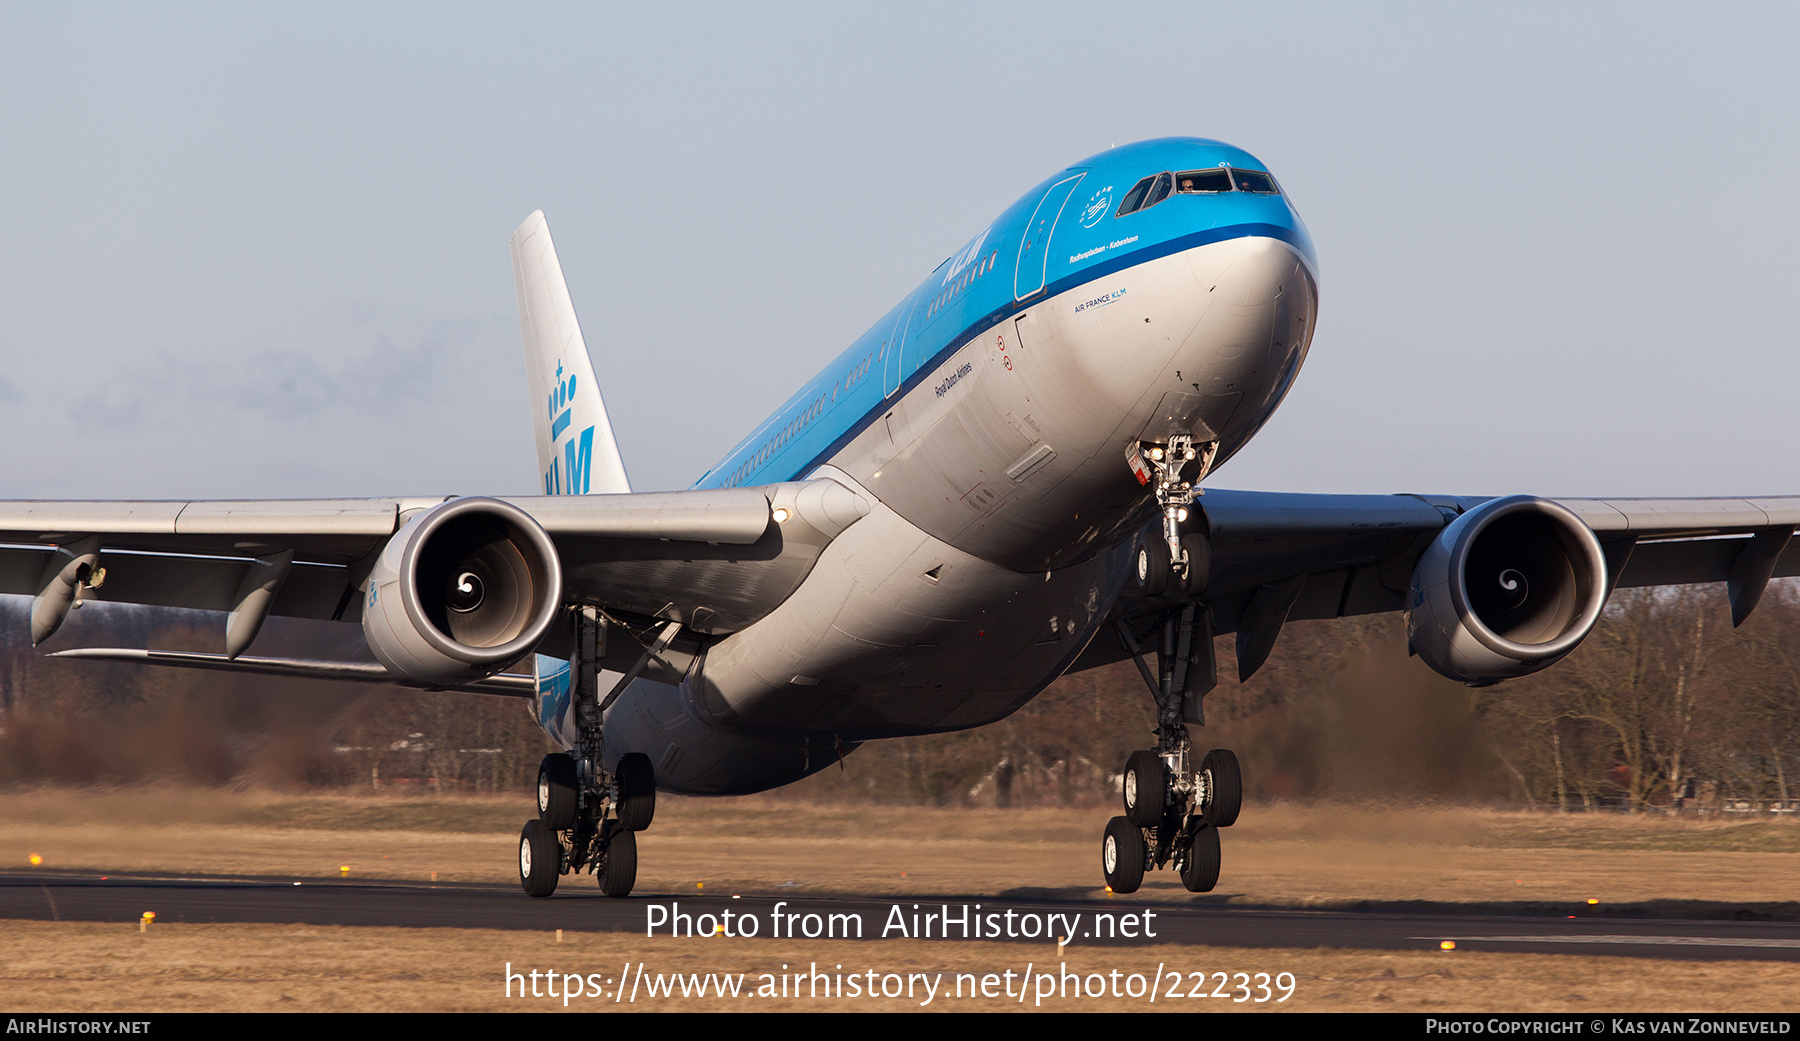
1507 589
462 591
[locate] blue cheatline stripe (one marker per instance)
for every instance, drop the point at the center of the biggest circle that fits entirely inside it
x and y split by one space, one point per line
1153 251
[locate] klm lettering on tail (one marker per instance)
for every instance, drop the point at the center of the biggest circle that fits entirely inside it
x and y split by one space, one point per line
573 473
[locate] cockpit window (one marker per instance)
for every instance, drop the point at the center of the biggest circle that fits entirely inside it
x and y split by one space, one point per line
1160 190
1157 187
1147 193
1254 181
1224 179
1203 181
1134 199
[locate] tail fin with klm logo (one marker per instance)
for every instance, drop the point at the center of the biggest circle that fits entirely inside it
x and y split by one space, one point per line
575 447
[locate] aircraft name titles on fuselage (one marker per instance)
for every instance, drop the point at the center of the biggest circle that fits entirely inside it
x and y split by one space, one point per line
1077 258
1100 301
954 378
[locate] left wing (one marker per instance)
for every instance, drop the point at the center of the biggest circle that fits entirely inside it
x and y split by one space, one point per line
1279 556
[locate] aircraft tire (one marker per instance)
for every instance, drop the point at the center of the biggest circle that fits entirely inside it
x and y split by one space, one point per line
1122 856
1201 872
1199 554
619 871
637 791
1221 811
1150 566
556 791
1142 789
540 859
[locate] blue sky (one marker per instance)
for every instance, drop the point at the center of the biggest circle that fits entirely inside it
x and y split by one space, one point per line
261 252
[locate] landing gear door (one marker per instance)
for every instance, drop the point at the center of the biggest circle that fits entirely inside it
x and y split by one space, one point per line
1034 251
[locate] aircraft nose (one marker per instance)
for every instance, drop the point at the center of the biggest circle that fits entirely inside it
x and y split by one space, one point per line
1257 273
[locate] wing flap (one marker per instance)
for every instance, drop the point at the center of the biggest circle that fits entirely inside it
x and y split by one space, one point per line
1692 561
514 685
199 583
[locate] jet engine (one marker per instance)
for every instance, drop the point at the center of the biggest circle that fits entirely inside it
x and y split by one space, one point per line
1507 589
462 591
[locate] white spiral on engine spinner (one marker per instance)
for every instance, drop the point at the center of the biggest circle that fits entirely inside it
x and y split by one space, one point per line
1514 588
466 593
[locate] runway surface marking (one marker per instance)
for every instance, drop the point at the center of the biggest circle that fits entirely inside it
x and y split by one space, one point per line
1695 941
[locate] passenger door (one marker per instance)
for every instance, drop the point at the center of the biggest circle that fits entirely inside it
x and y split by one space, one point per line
1034 252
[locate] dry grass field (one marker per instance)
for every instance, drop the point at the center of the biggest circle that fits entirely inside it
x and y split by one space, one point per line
1290 855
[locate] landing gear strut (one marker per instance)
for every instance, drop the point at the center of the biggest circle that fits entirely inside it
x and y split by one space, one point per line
587 818
1173 806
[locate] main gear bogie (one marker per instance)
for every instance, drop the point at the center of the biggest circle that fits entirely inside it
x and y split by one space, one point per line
588 817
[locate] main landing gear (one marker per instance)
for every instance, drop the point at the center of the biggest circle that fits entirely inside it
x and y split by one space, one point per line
1174 807
1172 816
589 819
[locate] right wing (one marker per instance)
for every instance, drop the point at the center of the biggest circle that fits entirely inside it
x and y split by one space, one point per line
713 561
470 585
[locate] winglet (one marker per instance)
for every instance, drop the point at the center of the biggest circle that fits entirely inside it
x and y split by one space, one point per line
575 446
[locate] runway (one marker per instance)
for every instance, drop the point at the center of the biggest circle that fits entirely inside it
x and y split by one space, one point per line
1691 931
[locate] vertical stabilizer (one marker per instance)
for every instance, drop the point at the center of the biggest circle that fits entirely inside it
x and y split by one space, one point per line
575 447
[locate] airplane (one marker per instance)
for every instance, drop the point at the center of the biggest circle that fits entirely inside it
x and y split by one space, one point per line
1004 480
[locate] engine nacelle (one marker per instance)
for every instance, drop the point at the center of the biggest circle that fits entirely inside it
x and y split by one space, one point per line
462 591
1510 587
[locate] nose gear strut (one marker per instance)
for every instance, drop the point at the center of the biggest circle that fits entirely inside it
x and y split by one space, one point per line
1172 808
1163 464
